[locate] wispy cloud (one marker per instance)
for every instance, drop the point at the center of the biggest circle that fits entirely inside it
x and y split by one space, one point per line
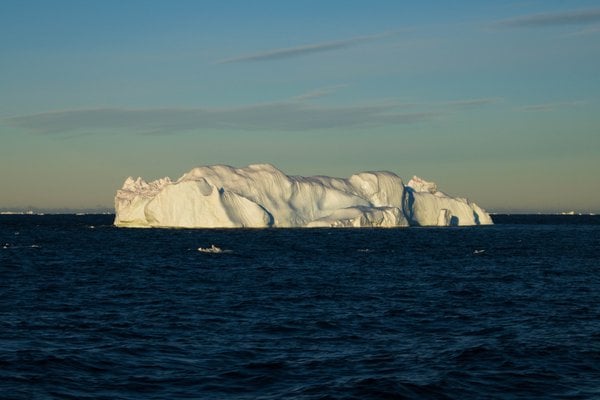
470 103
321 92
551 106
592 30
283 116
294 115
296 51
573 17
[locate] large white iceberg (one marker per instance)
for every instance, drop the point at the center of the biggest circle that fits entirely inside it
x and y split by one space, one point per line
260 196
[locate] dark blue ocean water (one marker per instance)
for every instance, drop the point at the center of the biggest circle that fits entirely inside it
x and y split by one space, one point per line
89 311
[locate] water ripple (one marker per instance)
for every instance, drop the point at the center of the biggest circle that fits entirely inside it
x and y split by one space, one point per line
111 313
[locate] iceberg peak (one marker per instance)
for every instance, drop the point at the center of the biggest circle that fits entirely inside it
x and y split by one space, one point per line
421 185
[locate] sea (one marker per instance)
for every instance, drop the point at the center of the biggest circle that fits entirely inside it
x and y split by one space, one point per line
509 311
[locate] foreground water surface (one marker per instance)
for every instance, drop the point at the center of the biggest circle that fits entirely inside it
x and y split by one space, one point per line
89 311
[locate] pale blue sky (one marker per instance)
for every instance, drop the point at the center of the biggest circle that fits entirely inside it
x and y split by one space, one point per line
497 101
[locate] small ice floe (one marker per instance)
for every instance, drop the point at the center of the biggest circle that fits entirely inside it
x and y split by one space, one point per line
91 227
364 250
481 251
212 249
34 246
6 245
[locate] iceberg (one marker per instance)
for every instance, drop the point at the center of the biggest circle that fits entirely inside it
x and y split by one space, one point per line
262 196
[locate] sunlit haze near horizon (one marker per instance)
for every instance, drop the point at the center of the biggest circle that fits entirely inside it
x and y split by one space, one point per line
495 101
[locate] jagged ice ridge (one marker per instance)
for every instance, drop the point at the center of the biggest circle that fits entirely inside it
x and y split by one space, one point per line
261 196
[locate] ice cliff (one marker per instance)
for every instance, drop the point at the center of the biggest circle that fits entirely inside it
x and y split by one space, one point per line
260 196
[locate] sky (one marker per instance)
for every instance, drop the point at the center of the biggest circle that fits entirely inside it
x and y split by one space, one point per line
495 101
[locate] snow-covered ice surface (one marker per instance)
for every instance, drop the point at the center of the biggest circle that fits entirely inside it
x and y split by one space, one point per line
260 196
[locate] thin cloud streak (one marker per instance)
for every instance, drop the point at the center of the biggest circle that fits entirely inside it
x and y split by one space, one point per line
317 93
283 116
575 17
587 31
468 103
551 106
289 52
